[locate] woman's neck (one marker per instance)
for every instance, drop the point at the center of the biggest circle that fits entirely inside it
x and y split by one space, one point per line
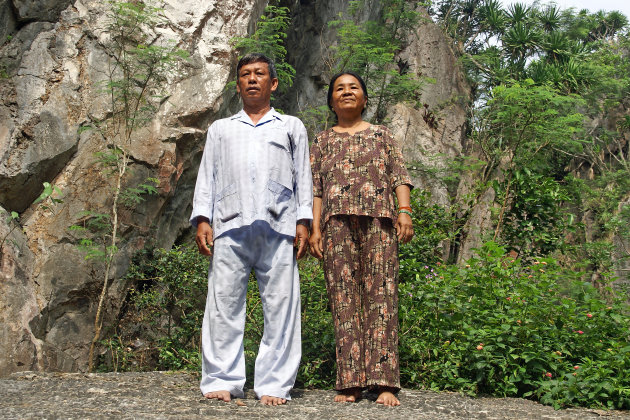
350 126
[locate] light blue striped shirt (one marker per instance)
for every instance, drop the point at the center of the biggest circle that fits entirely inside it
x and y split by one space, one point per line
252 172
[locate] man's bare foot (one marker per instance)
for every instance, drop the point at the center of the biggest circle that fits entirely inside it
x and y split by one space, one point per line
218 395
348 395
387 397
269 400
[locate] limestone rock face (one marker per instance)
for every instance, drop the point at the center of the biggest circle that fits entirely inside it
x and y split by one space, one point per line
435 133
54 61
39 10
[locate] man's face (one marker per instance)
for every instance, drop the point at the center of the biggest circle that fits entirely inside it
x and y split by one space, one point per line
254 83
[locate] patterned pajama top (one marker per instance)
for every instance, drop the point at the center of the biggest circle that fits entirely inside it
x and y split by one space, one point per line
357 174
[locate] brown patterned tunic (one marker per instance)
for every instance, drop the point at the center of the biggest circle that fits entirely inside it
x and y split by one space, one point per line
356 175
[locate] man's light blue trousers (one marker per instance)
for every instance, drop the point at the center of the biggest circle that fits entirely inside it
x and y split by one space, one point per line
272 257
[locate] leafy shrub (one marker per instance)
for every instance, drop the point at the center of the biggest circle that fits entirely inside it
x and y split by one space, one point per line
497 326
163 313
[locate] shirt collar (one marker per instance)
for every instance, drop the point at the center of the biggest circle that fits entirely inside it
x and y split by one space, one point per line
271 115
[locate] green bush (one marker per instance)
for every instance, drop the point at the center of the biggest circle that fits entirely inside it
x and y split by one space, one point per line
164 311
497 326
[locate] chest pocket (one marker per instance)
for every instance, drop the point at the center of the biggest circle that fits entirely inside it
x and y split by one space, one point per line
279 150
280 201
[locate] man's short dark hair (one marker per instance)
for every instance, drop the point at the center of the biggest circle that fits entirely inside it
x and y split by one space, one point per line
257 58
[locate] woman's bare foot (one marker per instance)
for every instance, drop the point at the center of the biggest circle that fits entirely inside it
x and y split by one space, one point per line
387 397
348 395
269 400
219 395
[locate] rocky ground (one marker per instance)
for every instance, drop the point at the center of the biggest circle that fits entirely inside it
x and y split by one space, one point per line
162 395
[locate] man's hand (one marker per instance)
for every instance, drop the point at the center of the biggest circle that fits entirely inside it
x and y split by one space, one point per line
404 227
204 237
301 239
316 244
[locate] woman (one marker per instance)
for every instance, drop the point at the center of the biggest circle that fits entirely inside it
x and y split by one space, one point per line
356 168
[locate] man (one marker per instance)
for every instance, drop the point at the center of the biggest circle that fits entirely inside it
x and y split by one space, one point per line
252 207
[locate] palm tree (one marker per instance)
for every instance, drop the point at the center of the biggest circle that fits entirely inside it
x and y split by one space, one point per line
550 18
519 12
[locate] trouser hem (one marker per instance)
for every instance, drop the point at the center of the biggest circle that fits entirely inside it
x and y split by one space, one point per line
284 395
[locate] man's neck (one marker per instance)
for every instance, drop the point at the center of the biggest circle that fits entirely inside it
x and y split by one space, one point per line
255 113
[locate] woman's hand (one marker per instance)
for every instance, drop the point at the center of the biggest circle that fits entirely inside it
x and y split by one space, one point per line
404 227
316 244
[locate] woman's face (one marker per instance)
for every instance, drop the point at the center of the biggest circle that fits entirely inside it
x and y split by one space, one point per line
348 96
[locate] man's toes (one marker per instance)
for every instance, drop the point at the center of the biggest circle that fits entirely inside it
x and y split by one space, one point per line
269 400
218 395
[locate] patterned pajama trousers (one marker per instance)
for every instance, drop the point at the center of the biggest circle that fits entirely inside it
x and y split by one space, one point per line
361 270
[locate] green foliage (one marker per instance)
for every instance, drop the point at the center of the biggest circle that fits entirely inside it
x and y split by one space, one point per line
543 43
316 119
432 225
93 231
132 196
139 68
500 326
318 366
522 121
271 31
536 221
52 194
527 132
370 49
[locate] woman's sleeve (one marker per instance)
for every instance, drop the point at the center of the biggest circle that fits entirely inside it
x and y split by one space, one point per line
398 174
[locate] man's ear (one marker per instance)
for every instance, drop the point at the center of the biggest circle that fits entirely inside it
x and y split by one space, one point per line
274 84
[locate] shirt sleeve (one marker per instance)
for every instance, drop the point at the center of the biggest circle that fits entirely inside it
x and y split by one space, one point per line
203 200
316 162
398 174
303 187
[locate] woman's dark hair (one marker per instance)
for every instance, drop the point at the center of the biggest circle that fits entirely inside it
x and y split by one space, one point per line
257 58
332 84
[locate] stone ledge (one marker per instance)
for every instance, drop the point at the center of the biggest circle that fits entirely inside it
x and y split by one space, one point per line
166 395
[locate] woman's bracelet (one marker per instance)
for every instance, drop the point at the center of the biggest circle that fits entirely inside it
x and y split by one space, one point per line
404 207
405 211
